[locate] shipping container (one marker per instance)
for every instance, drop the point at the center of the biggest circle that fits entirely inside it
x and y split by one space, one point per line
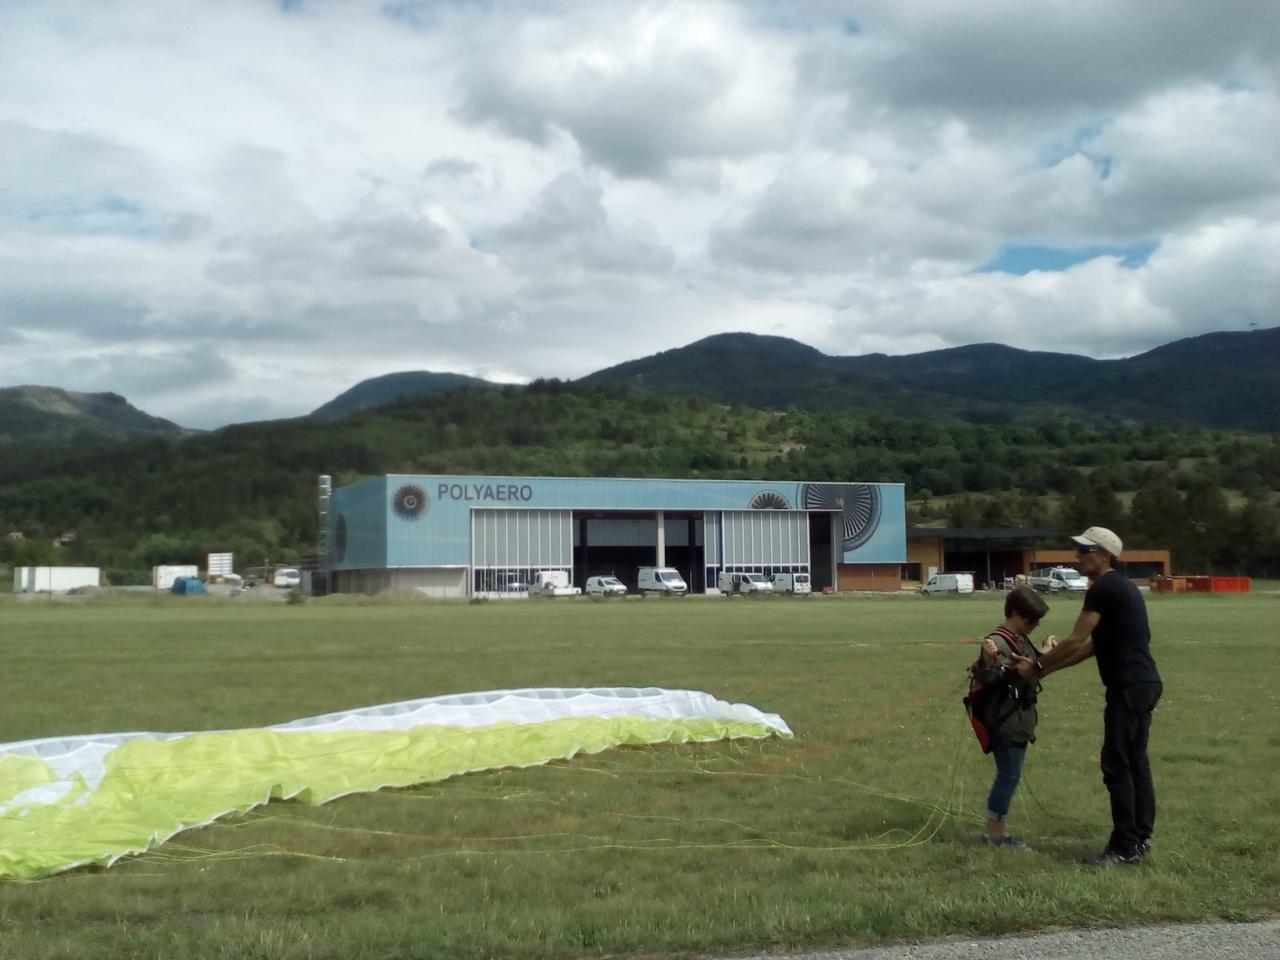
54 579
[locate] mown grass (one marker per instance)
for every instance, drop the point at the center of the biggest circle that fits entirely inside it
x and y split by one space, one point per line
859 830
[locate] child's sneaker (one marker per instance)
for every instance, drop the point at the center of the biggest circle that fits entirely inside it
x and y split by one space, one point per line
1013 843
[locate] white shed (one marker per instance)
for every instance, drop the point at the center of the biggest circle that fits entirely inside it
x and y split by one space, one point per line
162 577
54 579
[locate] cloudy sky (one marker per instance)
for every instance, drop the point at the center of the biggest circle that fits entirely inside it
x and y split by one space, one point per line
234 209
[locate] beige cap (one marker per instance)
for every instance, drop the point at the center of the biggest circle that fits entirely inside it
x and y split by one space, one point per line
1101 537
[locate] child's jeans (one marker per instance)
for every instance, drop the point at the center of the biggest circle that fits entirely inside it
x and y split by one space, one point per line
1009 756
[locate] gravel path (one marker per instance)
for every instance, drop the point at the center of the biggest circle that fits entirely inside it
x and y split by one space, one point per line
1190 941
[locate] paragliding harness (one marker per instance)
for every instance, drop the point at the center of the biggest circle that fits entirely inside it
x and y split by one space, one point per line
989 705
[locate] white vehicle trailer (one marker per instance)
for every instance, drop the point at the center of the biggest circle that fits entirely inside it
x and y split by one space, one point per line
162 576
54 579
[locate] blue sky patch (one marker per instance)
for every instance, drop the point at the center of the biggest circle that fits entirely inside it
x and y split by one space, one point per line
1079 142
109 213
1022 258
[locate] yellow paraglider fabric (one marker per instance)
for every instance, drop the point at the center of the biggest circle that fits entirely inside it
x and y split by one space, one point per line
151 789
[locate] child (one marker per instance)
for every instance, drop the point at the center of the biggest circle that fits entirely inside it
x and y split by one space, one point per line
1009 710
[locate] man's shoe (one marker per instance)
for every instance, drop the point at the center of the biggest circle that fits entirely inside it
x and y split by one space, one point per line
1144 846
1109 857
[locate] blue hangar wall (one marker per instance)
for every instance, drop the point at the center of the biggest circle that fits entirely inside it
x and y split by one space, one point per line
402 522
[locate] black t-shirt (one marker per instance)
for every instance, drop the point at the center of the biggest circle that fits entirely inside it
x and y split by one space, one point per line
1122 638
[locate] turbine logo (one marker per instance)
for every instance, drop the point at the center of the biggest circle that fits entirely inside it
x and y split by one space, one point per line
410 502
769 500
858 503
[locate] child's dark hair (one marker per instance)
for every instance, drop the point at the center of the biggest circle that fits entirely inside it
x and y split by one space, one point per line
1025 602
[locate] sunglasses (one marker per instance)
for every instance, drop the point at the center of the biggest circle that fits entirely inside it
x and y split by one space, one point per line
1085 551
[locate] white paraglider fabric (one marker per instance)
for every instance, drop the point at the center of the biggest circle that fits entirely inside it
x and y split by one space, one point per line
68 801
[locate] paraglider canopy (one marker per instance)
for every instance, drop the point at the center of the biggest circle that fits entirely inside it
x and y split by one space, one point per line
68 801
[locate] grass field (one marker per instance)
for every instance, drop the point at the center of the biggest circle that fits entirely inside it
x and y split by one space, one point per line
861 829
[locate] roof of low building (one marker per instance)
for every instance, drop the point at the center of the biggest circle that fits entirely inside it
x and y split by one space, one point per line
982 533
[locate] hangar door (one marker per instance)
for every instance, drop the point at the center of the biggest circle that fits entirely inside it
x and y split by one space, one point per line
757 541
509 546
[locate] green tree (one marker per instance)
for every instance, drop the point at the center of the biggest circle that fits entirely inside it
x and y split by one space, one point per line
38 552
1158 517
1209 526
1254 534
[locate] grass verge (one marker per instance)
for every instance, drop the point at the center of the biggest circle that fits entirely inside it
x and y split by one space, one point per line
860 830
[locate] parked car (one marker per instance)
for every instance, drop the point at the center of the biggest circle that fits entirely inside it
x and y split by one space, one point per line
957 583
666 580
744 583
606 587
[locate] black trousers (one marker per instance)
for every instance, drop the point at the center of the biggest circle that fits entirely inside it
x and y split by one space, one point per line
1125 768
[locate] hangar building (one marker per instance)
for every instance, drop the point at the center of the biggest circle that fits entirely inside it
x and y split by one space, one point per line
474 536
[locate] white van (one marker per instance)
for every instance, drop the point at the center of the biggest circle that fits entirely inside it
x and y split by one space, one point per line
662 580
956 583
792 583
287 577
606 587
1058 580
731 583
553 583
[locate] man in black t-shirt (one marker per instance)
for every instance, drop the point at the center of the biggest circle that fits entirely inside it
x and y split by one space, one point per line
1113 628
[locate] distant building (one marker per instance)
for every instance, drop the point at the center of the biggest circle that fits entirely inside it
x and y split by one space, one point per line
993 554
478 536
15 535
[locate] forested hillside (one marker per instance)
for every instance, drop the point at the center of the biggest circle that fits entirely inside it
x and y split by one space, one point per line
31 415
1225 380
1209 495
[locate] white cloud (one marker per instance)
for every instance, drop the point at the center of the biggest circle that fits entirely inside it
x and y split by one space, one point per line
1220 277
662 83
1006 65
237 210
568 228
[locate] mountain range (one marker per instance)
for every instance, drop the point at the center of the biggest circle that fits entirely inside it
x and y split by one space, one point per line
1225 380
50 415
380 391
1221 380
